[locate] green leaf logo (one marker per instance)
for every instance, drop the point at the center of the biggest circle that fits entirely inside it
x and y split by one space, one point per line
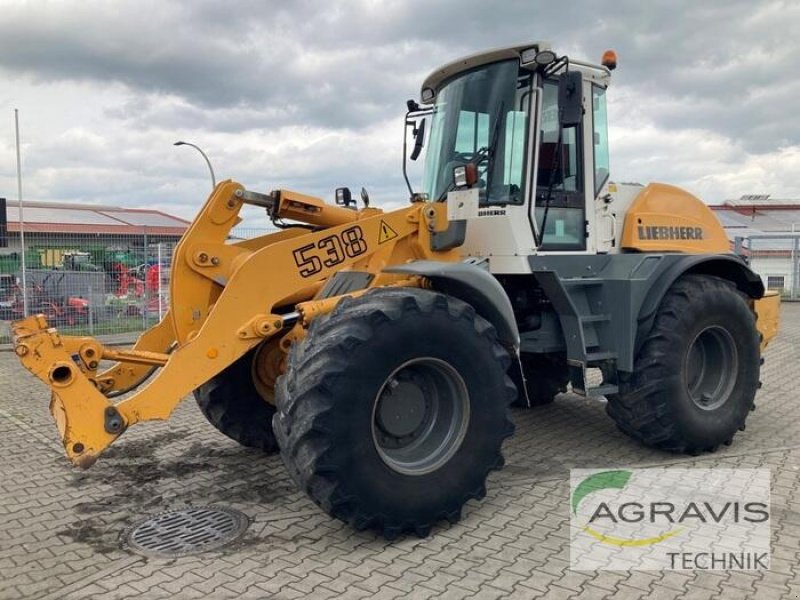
611 480
596 482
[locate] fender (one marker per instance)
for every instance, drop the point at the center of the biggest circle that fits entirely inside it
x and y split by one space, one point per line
471 282
724 266
474 285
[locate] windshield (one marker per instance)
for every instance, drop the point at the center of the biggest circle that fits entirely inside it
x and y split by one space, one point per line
481 117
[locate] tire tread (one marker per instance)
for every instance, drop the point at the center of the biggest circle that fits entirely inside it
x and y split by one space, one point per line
305 404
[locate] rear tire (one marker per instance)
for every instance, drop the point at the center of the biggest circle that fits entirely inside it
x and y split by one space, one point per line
696 374
232 404
373 422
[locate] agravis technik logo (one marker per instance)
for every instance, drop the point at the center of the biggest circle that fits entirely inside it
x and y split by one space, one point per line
670 518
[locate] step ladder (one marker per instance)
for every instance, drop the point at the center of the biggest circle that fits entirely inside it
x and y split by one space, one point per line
585 319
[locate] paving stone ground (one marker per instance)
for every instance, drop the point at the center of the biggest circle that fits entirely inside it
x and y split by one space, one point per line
61 529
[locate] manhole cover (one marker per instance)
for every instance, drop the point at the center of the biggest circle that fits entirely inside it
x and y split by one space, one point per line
187 531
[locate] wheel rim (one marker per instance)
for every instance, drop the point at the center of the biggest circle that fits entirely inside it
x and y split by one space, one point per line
711 366
420 416
266 368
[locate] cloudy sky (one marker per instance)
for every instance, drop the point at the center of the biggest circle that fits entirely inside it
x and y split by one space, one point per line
310 95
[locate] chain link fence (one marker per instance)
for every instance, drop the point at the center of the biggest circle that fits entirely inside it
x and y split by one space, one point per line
776 258
89 285
109 285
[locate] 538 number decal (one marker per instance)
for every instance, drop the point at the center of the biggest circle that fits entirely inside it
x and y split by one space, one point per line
330 251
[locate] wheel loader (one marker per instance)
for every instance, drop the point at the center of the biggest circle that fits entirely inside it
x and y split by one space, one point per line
379 351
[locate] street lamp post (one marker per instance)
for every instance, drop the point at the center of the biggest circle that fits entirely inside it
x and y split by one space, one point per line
208 162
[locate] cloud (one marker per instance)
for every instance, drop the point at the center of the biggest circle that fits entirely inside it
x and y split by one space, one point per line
310 95
724 67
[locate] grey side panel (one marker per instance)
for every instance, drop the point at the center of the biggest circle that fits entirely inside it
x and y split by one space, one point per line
452 237
597 295
545 339
473 285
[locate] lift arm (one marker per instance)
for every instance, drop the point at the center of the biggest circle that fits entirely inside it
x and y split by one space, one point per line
224 300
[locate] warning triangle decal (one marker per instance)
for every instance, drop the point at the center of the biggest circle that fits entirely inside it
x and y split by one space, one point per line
386 233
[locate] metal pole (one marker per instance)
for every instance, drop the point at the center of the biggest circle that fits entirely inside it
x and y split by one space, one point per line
794 265
21 219
91 310
208 162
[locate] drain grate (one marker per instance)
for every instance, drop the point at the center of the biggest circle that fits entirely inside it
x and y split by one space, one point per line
188 531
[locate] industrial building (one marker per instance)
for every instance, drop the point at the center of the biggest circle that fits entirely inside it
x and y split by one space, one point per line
56 232
764 229
110 262
47 222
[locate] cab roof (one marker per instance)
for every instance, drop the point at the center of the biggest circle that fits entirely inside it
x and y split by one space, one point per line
437 77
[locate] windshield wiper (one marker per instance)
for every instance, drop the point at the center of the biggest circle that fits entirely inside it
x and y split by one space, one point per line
490 151
558 165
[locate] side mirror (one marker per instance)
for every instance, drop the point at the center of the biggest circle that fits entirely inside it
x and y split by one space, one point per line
415 118
570 98
419 140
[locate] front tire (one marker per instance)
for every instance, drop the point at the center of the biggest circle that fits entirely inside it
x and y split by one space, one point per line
394 408
697 372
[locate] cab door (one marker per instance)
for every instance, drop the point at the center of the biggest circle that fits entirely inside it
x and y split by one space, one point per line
560 194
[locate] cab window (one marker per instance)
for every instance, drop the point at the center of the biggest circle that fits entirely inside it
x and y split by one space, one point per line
481 117
559 176
472 133
564 174
601 162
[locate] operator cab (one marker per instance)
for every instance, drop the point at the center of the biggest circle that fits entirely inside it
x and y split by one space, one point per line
541 155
